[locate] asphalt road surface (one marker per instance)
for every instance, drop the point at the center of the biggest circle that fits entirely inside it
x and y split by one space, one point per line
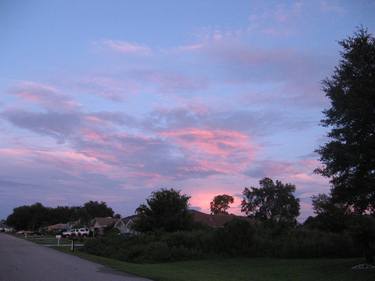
22 260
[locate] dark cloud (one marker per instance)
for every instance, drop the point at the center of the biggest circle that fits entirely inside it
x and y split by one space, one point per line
269 168
93 135
55 124
65 125
253 122
295 75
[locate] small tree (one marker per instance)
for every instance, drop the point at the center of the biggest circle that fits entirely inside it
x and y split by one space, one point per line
273 203
165 210
220 204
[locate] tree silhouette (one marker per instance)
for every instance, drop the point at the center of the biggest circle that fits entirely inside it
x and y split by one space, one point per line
165 210
273 203
349 157
220 204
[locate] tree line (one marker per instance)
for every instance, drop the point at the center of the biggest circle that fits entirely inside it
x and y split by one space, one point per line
35 216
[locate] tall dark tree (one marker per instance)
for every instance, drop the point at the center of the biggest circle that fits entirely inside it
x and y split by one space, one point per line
349 157
220 204
165 210
273 203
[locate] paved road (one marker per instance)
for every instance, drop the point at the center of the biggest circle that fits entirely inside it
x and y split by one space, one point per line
22 260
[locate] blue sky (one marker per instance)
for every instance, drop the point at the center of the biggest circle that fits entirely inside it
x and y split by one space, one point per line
110 100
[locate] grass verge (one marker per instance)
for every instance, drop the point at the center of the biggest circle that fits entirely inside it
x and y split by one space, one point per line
241 269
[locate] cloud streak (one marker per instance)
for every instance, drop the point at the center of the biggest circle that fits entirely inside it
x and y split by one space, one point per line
125 47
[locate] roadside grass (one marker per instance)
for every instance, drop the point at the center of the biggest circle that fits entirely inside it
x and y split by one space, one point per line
241 269
50 240
43 240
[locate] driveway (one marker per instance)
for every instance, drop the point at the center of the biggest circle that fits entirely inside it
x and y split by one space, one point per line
22 260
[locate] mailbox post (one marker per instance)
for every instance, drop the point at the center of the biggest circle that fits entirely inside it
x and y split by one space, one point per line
72 245
58 237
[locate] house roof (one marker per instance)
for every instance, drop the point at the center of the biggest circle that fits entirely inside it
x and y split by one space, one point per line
215 220
103 222
57 226
127 219
203 218
124 221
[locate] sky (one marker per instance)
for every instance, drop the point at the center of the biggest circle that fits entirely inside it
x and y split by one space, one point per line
111 100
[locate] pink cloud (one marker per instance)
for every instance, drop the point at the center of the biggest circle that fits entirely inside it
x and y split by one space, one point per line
76 163
62 158
92 136
44 95
190 47
13 152
222 150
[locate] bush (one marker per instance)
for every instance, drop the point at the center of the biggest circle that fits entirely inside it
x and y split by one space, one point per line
237 238
158 251
302 243
362 229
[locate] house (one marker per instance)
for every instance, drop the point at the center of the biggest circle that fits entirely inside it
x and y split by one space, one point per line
124 225
99 225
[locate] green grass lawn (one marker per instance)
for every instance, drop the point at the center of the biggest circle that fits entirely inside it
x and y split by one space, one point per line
243 269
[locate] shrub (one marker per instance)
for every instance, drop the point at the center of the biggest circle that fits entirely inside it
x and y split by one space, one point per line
302 243
158 251
235 238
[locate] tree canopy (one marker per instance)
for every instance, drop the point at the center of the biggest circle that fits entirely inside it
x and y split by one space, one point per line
93 209
273 202
349 157
165 210
220 204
